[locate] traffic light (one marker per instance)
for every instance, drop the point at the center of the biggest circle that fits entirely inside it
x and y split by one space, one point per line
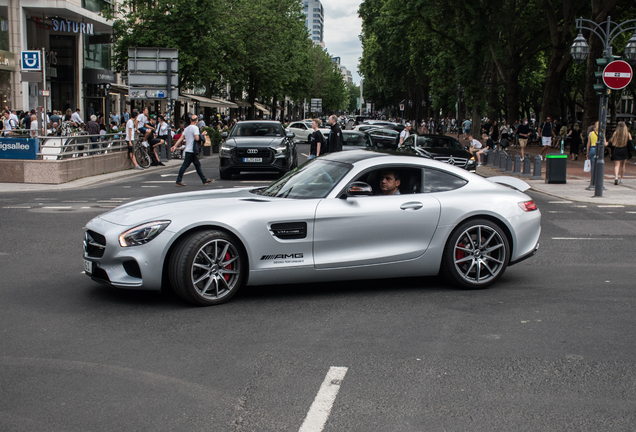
600 86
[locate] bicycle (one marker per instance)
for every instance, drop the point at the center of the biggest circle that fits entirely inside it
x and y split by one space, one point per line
141 153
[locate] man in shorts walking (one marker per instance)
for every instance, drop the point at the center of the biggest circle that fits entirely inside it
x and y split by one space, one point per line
523 131
546 136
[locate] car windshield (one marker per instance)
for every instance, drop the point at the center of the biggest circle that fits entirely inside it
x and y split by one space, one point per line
438 142
257 129
315 179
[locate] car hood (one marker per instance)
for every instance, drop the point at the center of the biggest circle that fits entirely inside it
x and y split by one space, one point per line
167 206
250 141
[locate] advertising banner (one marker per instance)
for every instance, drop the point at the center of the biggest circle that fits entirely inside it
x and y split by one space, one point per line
19 148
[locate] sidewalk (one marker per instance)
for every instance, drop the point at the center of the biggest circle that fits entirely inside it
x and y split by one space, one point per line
86 181
577 180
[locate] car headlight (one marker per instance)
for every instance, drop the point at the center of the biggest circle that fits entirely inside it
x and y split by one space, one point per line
142 234
280 149
226 150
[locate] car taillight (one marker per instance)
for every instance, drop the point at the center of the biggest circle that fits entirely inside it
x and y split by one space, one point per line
528 206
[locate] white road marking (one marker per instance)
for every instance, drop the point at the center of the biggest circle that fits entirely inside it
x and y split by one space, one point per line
581 206
306 155
583 238
559 211
17 207
160 181
559 202
167 175
57 207
172 175
255 181
125 187
631 212
81 207
321 408
610 206
74 201
149 186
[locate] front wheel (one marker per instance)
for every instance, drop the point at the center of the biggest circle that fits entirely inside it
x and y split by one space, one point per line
207 268
476 254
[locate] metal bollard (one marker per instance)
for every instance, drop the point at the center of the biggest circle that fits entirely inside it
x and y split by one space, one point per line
508 164
502 162
537 168
526 167
485 157
517 169
494 159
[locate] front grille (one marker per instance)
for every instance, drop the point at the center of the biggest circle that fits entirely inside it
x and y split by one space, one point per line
451 160
94 244
266 154
132 268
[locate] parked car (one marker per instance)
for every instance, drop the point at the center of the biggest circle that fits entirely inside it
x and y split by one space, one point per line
440 148
302 130
332 219
384 138
356 140
257 146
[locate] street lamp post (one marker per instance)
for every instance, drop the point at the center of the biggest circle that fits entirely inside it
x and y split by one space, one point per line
607 31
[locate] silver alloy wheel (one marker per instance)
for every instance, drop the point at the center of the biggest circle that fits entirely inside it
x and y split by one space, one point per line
216 269
479 254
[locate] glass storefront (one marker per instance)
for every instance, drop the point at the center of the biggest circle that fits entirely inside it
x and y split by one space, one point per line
62 67
7 60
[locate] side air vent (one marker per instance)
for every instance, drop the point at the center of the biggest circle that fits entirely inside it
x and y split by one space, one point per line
290 230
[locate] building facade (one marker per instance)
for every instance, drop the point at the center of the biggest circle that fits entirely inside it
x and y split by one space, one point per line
346 73
77 43
315 20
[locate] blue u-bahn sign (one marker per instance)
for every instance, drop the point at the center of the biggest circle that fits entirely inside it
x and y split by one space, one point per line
19 148
31 61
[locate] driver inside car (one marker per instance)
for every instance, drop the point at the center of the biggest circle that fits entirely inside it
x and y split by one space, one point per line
390 182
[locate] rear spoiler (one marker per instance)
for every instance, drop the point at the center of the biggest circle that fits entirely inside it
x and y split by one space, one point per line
512 182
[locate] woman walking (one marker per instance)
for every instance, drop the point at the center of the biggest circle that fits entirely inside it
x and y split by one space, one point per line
591 144
575 141
619 141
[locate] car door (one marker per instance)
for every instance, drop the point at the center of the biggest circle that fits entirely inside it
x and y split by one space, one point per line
360 231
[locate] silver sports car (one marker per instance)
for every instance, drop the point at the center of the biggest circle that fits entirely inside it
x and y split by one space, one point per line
348 215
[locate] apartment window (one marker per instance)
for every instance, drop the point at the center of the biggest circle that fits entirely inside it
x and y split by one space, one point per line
316 9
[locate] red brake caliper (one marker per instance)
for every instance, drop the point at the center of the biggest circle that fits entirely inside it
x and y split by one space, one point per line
227 267
459 254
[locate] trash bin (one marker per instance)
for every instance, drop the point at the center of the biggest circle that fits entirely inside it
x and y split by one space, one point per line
556 168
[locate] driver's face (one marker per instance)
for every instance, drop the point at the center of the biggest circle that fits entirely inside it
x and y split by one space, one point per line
388 184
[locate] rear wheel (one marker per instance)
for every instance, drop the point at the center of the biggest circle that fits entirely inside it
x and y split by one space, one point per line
142 157
476 254
207 268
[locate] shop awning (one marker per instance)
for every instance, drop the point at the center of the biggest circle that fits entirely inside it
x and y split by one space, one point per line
262 107
118 89
242 104
208 102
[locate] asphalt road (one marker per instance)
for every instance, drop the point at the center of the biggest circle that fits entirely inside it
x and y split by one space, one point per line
549 347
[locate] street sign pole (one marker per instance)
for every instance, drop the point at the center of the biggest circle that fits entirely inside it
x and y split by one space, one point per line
165 154
43 61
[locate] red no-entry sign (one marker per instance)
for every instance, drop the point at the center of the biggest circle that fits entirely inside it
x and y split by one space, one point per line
617 74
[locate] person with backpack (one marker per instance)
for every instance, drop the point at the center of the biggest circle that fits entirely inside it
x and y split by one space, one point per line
404 134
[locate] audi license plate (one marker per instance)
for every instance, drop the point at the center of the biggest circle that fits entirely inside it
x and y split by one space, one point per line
252 159
88 266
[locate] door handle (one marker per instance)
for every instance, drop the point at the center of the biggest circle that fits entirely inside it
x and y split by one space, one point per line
413 205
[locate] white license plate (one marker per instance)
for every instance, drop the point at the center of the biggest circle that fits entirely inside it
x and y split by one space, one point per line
88 266
252 159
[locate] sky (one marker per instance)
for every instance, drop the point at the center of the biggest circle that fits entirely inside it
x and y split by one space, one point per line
342 28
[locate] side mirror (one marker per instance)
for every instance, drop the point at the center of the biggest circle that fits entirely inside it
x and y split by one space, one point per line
224 135
359 189
290 135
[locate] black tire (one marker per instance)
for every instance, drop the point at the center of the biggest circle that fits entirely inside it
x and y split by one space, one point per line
142 157
225 175
207 268
491 254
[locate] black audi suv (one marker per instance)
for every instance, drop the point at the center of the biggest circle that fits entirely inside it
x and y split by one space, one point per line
257 146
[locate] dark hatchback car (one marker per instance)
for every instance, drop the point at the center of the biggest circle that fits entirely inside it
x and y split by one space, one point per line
257 146
441 148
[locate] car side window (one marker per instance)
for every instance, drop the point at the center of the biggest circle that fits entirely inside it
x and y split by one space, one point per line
441 181
410 179
410 140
